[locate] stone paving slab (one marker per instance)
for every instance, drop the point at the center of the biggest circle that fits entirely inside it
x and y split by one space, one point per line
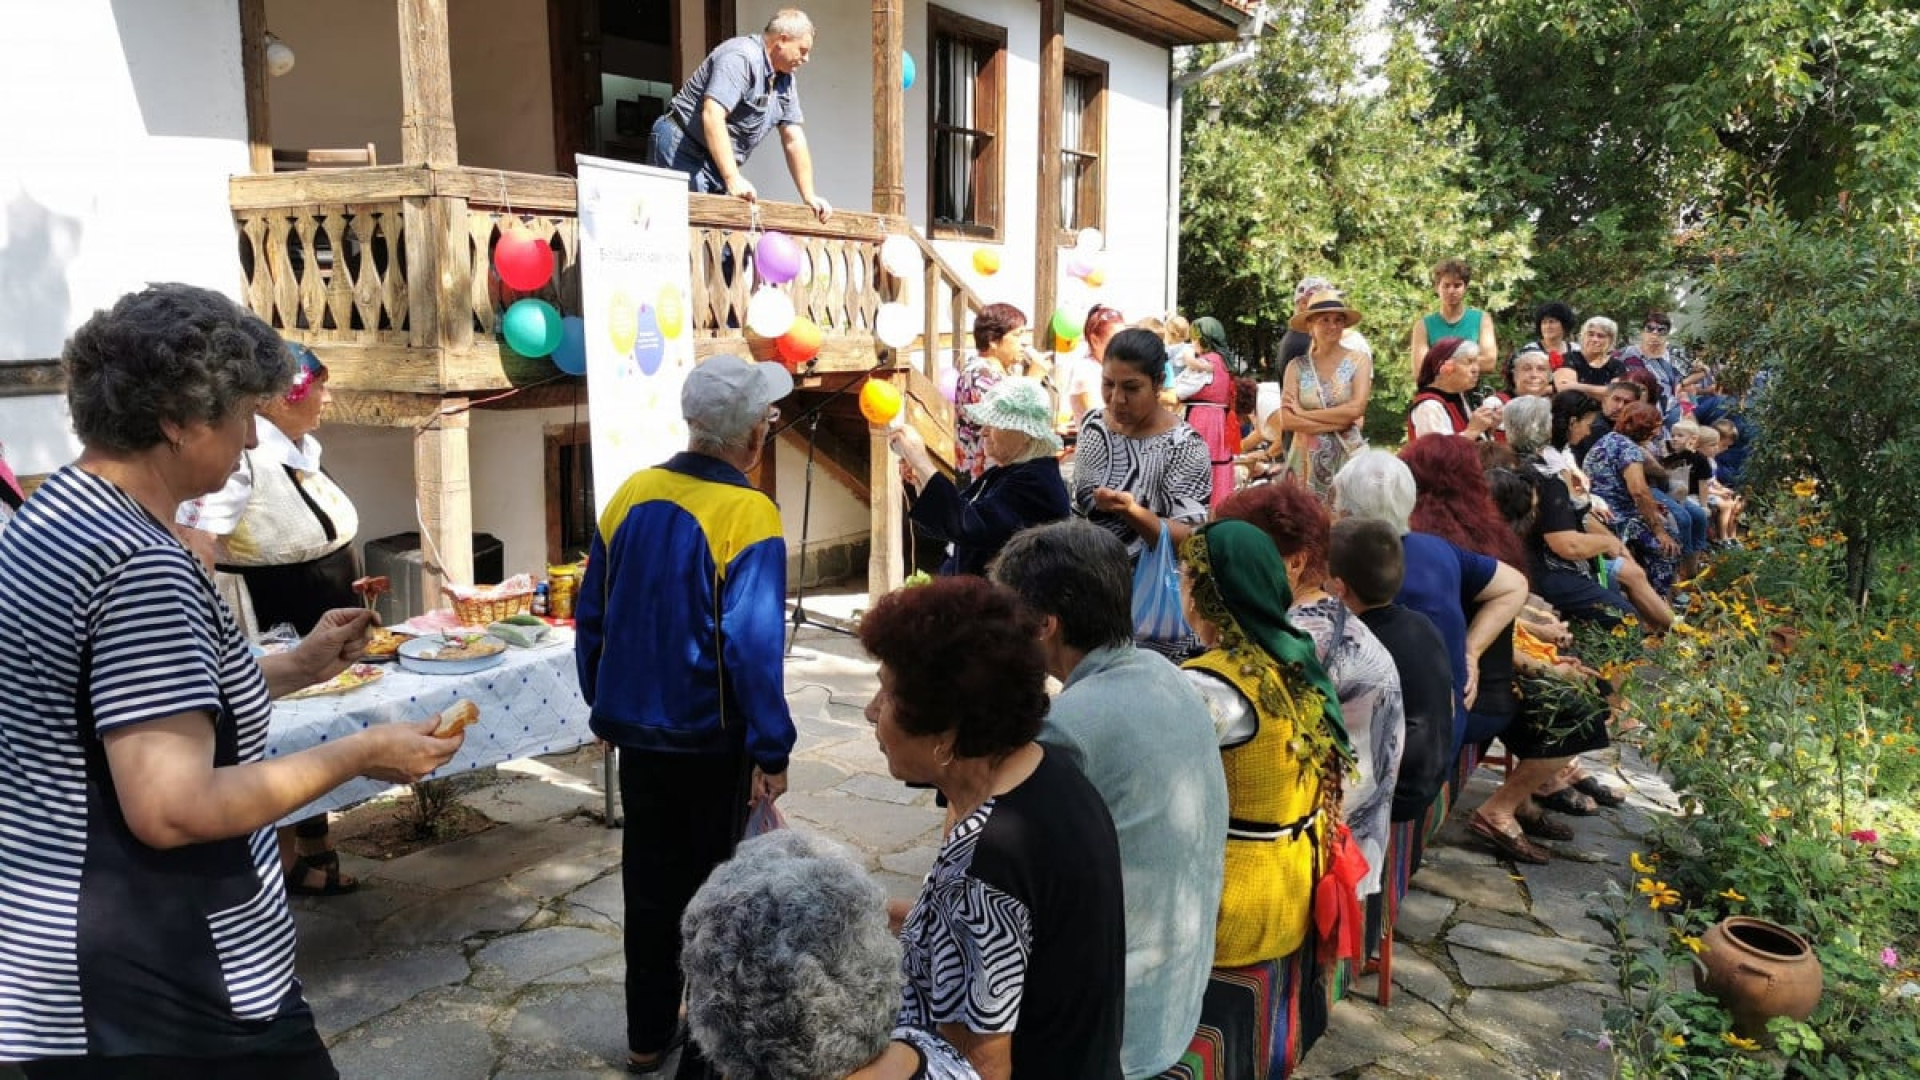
500 955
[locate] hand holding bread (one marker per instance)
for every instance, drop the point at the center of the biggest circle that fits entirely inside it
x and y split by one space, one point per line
405 753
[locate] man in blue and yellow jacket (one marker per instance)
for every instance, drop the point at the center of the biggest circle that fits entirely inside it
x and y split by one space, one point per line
679 644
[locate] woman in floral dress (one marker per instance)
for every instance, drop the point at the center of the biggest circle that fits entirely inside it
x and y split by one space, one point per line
1324 395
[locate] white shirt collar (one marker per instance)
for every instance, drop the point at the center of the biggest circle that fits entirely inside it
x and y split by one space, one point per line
303 455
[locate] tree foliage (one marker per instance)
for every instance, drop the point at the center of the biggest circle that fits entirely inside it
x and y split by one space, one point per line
1827 310
1616 128
1303 172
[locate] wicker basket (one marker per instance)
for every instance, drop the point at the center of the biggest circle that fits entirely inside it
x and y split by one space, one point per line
490 604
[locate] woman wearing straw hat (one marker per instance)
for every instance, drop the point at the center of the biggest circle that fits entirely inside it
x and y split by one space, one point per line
1021 487
1324 394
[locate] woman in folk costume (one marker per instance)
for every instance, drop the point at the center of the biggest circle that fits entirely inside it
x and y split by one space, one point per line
1288 908
1206 387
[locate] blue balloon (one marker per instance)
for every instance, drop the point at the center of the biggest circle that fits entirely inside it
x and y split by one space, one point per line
571 356
907 71
649 348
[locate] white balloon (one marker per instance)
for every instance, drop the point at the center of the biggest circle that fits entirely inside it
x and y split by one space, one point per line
1089 241
769 312
893 325
900 256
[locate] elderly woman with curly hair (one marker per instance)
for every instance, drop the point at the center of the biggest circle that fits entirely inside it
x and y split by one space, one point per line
1362 671
1617 466
1015 948
135 728
1285 749
1000 347
811 925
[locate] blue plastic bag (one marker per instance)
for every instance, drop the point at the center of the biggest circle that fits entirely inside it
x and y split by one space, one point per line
1157 618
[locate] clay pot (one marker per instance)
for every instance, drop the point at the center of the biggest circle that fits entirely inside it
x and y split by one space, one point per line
1758 971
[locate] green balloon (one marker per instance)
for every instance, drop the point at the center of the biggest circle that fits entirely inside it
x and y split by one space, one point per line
1065 325
532 327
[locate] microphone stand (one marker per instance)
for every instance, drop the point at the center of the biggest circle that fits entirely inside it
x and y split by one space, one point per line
811 417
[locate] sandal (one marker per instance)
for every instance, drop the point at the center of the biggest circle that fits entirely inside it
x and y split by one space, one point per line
328 863
1513 844
1569 800
1592 788
1544 827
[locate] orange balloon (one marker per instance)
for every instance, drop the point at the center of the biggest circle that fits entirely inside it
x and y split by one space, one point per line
800 343
880 402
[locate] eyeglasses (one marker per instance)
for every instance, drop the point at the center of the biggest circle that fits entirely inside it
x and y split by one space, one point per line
1655 328
773 414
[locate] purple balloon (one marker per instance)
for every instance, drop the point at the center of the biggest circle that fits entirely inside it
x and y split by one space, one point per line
1078 265
949 383
777 257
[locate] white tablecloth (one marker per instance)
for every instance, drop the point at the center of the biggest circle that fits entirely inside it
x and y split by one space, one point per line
529 705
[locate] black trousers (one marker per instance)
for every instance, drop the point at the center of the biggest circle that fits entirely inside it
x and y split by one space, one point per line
684 814
306 1060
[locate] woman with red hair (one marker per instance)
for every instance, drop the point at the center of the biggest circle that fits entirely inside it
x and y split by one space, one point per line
1454 503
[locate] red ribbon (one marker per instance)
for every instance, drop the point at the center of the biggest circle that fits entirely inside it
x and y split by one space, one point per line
1336 900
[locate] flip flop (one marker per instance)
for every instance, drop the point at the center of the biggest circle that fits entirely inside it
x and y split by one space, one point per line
1544 827
1569 800
1592 788
1514 844
328 863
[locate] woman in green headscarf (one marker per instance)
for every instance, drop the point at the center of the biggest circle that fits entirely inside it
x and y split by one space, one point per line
1285 751
1206 388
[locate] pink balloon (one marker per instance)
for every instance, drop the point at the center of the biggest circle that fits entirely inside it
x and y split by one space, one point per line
1078 265
778 257
949 383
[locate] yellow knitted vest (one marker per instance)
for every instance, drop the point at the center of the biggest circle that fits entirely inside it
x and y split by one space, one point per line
1267 901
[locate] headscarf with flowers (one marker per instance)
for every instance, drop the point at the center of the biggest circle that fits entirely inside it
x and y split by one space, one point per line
308 372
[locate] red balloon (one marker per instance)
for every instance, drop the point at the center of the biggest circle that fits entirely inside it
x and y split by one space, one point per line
523 260
800 343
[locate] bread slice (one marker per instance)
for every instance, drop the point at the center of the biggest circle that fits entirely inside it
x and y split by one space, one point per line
456 719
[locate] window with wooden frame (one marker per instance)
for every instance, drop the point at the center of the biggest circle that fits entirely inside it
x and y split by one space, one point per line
1083 144
968 96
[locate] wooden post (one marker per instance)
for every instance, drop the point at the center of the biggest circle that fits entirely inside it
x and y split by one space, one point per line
253 75
445 492
426 85
1053 66
889 111
884 562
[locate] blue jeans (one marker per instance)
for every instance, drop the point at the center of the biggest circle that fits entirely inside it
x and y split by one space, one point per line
669 148
1689 519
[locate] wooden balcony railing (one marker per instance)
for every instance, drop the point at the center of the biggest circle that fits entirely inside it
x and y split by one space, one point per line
390 268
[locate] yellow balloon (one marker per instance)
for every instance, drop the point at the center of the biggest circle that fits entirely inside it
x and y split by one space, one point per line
880 402
671 312
623 322
986 261
1096 278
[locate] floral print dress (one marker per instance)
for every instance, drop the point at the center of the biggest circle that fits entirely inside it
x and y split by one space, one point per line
1606 467
1314 458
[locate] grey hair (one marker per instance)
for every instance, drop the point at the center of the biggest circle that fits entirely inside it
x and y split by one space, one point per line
790 968
1529 424
702 441
1034 448
790 22
1374 485
168 354
1077 572
1601 322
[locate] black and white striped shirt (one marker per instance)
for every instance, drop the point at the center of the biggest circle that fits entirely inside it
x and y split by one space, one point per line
109 947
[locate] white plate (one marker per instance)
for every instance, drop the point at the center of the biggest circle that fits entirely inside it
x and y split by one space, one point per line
413 659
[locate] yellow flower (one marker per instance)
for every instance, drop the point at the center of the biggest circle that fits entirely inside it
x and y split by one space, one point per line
1739 1043
1676 1040
1805 489
1641 866
1780 812
1816 541
1729 894
1693 943
1658 893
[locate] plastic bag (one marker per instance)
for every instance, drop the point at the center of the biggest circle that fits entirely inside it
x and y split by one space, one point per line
1156 595
764 818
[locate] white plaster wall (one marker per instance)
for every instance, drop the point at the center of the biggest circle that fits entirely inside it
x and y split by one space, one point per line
837 513
38 433
836 93
123 120
344 89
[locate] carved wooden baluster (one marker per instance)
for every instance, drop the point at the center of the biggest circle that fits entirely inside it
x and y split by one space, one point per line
395 287
482 234
259 276
280 272
366 273
339 314
312 277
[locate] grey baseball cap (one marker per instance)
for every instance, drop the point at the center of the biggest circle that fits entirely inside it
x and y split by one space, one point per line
726 395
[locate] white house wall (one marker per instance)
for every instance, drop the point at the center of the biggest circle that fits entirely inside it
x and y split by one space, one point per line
836 93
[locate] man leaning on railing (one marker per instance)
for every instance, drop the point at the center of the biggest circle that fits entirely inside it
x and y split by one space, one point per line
740 92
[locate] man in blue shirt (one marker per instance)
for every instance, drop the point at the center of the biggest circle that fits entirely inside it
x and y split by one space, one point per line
739 93
679 645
